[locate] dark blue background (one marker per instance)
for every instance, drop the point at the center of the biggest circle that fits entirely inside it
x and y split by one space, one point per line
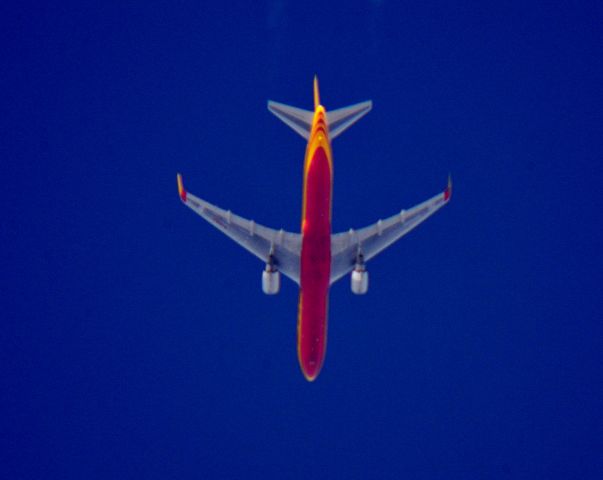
136 340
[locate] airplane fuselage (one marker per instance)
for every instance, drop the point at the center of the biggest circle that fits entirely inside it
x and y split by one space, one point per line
315 266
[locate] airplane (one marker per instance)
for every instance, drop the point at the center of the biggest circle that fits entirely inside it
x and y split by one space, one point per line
315 258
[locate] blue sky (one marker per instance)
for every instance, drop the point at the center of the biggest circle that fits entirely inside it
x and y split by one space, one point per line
137 341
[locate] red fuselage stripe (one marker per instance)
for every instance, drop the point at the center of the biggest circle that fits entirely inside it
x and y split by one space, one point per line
315 265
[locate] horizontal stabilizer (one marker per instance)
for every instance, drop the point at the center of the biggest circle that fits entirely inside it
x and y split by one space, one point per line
298 119
342 118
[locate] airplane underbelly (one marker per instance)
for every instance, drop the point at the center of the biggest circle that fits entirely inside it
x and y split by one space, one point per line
315 267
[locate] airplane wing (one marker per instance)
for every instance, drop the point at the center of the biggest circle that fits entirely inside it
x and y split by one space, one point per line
263 242
371 240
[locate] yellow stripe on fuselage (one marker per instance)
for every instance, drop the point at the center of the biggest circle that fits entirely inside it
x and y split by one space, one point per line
319 137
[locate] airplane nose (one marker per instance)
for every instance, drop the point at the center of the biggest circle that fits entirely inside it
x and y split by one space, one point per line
311 368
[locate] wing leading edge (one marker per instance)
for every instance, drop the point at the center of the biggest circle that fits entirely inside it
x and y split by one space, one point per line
347 247
281 248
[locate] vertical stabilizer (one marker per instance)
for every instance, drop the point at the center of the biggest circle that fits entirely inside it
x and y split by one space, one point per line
316 93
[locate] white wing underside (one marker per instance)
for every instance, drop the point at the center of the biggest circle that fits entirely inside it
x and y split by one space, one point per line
285 247
369 241
263 242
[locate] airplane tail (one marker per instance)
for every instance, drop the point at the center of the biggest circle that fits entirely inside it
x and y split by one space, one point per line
301 120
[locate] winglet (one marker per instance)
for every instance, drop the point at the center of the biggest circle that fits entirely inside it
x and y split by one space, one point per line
448 191
316 93
181 190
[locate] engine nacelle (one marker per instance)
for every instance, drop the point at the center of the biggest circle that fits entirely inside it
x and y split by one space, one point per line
359 281
271 281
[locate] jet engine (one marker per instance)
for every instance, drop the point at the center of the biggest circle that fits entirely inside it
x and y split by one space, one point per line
271 280
359 280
